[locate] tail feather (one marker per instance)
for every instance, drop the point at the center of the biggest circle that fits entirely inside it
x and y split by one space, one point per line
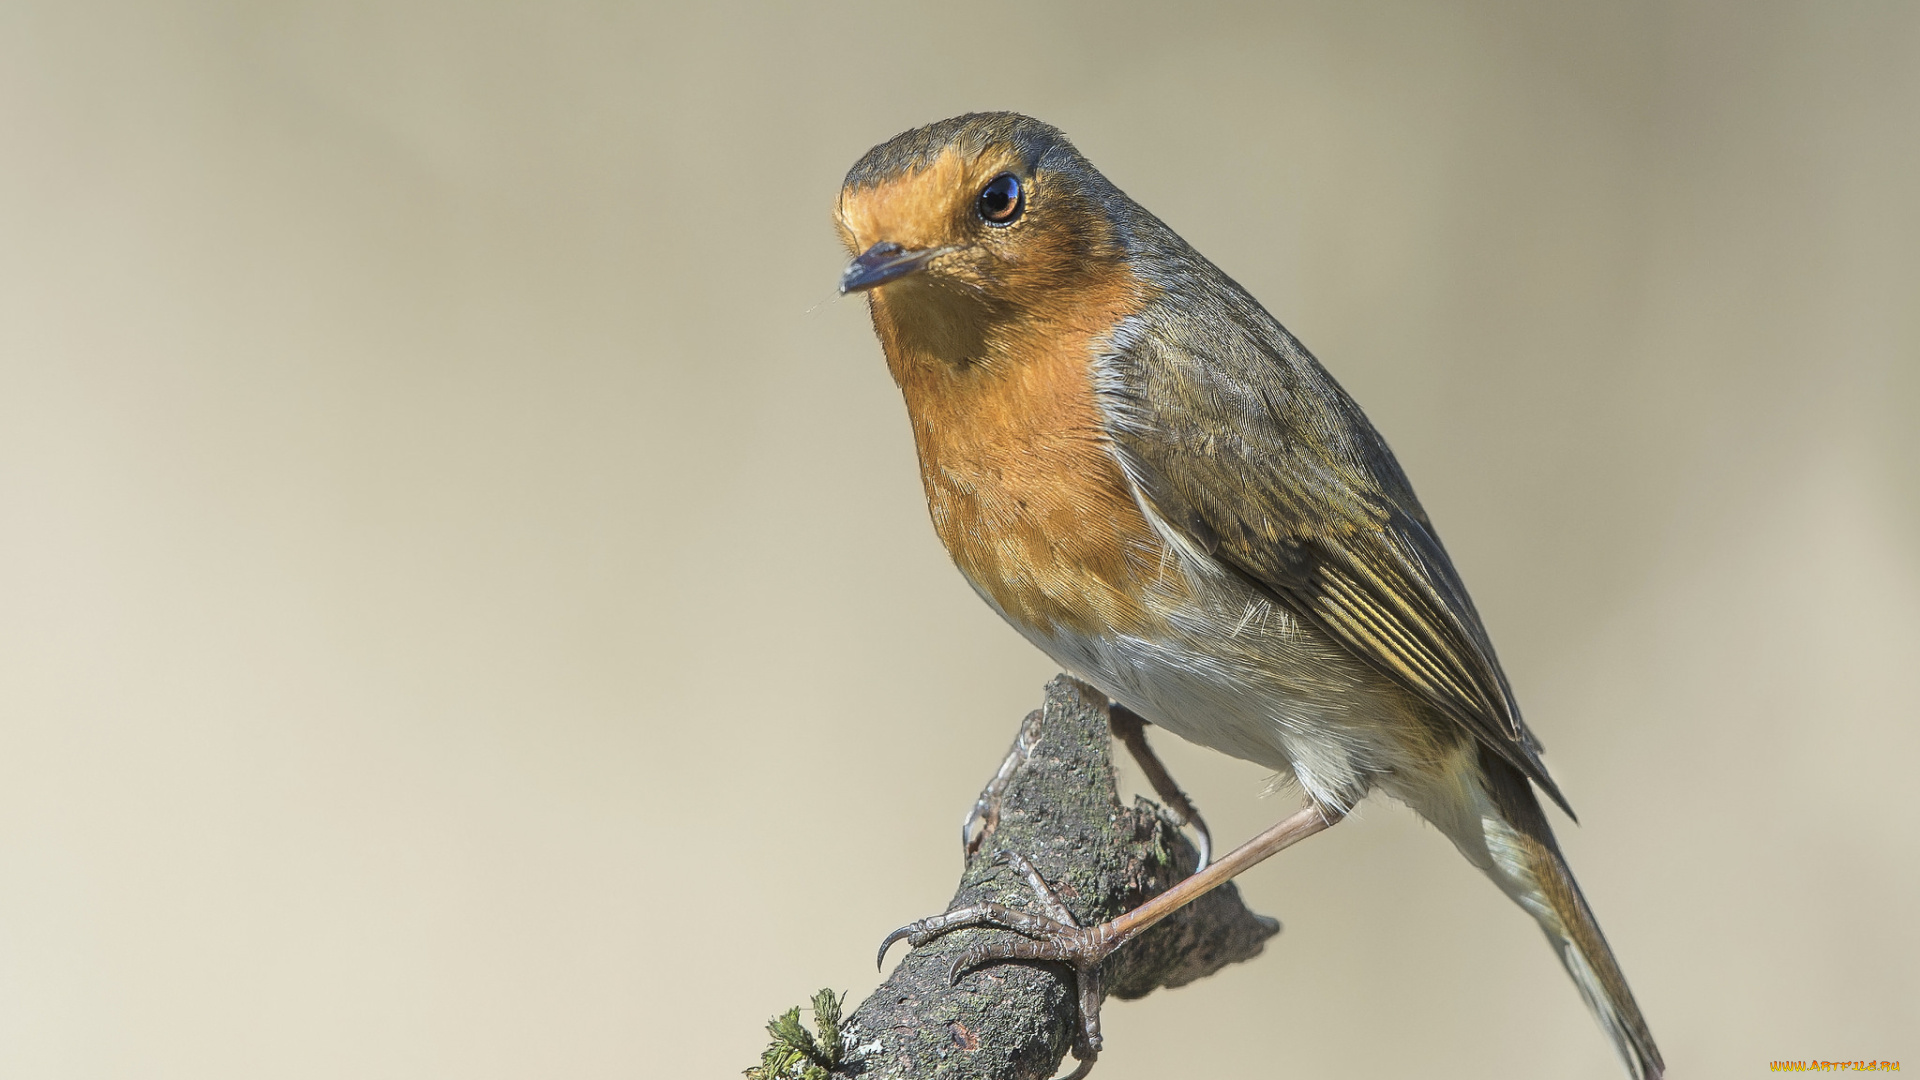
1528 865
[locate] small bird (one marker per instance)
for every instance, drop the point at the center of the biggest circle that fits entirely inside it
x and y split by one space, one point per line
1145 474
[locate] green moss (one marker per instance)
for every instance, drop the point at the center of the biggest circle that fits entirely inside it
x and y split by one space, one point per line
796 1053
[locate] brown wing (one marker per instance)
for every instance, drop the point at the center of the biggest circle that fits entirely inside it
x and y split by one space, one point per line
1260 457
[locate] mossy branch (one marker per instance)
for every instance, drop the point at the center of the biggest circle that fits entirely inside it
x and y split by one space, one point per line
1015 1021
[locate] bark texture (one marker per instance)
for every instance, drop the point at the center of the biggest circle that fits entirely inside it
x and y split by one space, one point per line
1015 1021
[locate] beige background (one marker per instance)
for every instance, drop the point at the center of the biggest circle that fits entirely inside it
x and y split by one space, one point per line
466 608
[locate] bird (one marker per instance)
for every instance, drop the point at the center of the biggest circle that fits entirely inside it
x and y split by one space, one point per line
1145 474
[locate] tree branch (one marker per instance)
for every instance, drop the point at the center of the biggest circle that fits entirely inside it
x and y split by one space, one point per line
1015 1021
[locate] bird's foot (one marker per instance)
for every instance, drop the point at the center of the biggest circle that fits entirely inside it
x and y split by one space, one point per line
1053 934
985 811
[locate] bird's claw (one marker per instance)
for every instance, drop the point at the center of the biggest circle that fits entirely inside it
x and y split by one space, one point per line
985 810
915 933
1052 934
880 961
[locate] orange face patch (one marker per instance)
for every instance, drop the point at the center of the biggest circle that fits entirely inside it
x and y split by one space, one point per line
926 208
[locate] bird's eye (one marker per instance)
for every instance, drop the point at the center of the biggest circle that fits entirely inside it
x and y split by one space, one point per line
1002 200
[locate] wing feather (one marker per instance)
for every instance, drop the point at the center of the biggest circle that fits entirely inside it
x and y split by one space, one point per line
1244 443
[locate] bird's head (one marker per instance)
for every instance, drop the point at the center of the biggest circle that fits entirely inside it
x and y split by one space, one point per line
974 223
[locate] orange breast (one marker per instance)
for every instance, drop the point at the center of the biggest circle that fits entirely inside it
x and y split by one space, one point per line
1022 484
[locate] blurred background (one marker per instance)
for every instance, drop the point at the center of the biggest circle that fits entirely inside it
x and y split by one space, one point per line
467 607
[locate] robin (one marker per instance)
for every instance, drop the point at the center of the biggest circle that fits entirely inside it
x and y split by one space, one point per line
1140 469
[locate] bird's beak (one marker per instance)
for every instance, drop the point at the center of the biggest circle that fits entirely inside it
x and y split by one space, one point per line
881 263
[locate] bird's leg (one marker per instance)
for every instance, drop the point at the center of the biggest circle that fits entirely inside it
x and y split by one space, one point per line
985 810
1130 728
1054 935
